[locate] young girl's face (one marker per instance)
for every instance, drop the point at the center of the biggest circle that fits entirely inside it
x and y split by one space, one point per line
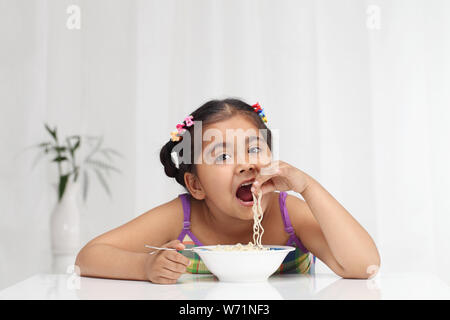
233 150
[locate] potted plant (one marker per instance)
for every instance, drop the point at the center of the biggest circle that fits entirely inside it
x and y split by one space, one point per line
65 218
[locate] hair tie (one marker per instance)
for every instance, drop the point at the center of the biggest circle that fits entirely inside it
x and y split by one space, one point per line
176 135
260 111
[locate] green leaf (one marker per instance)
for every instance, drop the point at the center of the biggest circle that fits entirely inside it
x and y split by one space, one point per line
47 147
52 132
75 147
110 150
70 147
44 144
62 185
101 164
59 159
96 148
60 149
106 154
102 181
39 155
77 144
72 150
75 173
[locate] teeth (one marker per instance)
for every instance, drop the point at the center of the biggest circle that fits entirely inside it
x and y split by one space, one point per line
246 184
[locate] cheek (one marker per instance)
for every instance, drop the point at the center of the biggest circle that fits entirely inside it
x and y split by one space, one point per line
220 178
265 157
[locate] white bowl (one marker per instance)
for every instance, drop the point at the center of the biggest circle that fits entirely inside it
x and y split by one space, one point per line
243 266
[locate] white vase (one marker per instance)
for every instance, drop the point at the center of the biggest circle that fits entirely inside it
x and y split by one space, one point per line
65 229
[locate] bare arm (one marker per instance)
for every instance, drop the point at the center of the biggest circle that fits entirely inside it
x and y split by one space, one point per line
324 226
120 253
329 231
106 261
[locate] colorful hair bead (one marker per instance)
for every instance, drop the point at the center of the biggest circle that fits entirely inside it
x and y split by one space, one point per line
260 111
175 135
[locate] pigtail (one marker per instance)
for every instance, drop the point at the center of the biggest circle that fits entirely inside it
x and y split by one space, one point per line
165 157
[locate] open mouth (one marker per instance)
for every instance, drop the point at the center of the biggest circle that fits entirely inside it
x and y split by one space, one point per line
244 194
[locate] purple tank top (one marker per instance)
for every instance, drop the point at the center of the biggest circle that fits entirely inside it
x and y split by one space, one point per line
292 241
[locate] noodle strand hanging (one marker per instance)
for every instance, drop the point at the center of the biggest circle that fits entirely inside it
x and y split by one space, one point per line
258 230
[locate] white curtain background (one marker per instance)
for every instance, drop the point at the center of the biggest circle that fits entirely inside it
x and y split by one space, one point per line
357 90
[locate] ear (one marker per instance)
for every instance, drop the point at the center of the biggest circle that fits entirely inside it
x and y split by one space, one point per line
194 186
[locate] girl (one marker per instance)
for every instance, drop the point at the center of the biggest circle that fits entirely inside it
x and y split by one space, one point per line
217 207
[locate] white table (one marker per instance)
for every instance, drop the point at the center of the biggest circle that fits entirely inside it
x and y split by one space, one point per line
199 287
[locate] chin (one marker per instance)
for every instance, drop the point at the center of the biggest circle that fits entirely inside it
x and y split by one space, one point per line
245 215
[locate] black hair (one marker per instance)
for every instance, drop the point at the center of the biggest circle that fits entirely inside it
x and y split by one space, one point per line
210 112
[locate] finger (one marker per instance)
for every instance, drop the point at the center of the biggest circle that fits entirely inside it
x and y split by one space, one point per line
177 257
171 244
163 280
266 173
259 182
169 274
267 187
175 266
270 169
174 244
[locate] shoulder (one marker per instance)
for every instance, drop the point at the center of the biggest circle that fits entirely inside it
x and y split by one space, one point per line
294 202
169 215
157 225
296 207
299 213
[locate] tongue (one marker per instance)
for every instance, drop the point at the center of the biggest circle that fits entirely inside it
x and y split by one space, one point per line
244 193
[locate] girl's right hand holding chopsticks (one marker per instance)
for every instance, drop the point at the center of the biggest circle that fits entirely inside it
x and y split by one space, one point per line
166 266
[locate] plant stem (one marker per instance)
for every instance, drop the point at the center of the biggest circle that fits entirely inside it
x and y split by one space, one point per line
59 155
72 160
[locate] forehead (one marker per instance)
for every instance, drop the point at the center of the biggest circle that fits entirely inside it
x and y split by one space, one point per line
235 122
228 130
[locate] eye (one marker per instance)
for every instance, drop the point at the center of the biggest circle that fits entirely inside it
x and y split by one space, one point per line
221 157
259 149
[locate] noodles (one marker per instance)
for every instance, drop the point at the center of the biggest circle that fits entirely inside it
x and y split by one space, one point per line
237 247
258 230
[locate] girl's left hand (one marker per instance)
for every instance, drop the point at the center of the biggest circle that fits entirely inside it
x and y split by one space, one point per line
281 176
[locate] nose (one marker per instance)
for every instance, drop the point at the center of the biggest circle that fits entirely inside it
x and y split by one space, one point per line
250 167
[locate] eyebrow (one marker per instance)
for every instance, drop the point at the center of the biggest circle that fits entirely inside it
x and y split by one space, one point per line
224 144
